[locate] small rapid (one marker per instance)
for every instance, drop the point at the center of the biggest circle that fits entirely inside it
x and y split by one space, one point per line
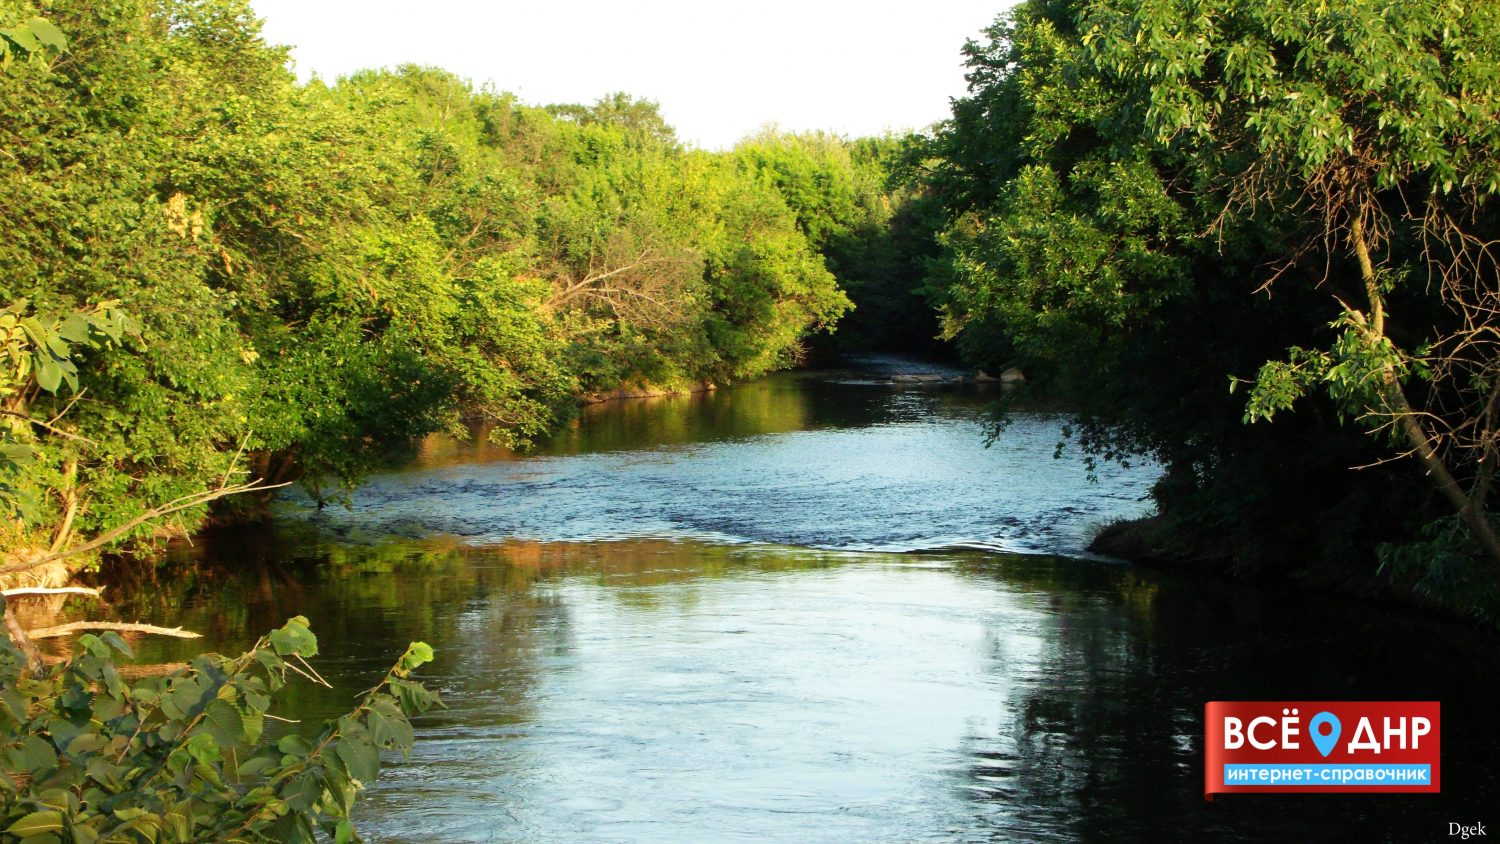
818 460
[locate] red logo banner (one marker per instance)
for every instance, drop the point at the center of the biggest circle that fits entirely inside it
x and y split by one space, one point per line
1259 747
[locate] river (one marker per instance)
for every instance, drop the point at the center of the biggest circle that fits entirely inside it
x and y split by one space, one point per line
816 607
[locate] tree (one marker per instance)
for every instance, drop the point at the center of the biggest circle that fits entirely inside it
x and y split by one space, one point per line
1377 125
1123 169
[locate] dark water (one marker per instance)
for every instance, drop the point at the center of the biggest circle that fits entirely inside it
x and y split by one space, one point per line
813 608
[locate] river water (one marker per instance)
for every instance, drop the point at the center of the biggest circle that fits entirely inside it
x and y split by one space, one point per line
815 607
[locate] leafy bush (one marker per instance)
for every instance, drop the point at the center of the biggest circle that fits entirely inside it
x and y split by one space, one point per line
87 757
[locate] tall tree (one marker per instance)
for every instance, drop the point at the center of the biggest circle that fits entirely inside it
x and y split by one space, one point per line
1315 183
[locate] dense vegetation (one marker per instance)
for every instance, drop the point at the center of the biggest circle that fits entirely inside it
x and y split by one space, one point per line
1252 240
212 273
86 756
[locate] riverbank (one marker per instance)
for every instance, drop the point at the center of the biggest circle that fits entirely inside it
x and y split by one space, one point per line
1151 542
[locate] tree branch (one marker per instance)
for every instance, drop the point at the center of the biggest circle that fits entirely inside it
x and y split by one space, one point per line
39 590
119 627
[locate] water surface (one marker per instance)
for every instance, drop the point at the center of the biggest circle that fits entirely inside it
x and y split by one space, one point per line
811 608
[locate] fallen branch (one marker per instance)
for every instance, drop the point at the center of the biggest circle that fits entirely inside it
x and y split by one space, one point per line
74 627
38 590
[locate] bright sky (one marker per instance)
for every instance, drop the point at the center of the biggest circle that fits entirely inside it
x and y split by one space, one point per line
720 70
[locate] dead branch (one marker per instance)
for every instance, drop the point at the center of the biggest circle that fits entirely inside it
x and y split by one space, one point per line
60 590
118 627
23 642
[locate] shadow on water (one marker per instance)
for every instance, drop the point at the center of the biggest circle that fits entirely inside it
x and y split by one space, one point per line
676 690
677 624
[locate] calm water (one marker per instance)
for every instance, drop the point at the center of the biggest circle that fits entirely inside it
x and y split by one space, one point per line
812 608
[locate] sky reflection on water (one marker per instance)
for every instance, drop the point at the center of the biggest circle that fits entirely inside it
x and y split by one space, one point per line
675 625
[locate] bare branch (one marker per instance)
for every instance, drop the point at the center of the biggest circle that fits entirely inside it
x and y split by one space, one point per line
118 627
39 590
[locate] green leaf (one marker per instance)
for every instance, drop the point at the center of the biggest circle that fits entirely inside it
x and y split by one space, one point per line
293 745
359 755
223 722
59 347
255 765
24 38
186 696
116 641
37 823
413 697
48 34
102 772
93 645
295 638
417 655
86 743
74 329
15 704
16 452
302 791
49 376
388 725
38 755
202 748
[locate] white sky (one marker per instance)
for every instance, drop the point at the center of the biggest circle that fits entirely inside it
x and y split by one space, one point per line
720 70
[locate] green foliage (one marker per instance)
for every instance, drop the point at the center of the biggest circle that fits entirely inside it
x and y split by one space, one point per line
38 354
1438 564
1352 371
875 228
88 756
320 275
43 348
1145 197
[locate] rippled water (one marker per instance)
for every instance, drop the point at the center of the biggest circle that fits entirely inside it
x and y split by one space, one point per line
685 622
817 460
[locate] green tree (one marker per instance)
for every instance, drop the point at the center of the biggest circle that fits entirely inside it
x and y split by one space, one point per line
1149 197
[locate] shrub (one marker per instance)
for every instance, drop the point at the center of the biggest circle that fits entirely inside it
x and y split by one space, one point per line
86 756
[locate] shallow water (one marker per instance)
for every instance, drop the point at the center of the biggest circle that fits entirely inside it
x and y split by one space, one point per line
812 608
818 460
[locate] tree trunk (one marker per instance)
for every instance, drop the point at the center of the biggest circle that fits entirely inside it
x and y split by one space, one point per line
1471 510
